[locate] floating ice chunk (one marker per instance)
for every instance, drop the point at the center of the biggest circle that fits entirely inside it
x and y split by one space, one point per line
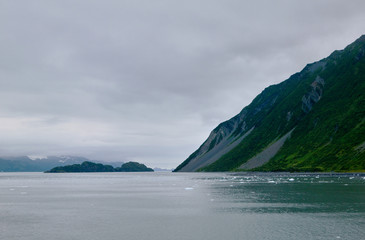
291 179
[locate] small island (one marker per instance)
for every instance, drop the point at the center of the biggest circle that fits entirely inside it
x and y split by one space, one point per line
98 167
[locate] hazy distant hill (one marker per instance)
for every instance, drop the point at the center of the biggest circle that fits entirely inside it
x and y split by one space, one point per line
25 164
313 121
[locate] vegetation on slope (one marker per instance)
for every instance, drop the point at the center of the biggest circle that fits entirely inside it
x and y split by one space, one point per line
98 167
327 139
326 136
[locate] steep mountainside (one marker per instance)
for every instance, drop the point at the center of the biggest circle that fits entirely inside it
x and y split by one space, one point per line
313 121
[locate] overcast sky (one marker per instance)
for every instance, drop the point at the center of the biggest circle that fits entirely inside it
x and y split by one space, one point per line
147 81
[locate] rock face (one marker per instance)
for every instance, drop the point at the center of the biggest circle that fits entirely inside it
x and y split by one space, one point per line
312 121
314 95
207 156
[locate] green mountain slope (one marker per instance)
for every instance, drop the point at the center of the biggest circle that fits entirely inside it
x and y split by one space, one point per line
314 121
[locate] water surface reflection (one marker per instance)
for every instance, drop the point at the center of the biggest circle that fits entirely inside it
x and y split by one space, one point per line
289 193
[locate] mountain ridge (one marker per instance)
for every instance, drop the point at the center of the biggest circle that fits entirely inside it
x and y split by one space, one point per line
41 164
88 166
330 88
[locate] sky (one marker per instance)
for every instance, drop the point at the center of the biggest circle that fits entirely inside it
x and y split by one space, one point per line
147 81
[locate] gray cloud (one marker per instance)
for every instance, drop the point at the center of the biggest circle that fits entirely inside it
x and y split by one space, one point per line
148 80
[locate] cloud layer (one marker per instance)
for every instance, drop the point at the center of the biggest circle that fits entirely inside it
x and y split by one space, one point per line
148 80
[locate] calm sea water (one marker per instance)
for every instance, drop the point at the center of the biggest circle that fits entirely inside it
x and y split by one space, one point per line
105 206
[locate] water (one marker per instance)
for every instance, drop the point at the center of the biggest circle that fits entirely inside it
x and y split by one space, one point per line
104 206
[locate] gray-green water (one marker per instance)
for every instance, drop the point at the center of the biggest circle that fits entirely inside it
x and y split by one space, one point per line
152 206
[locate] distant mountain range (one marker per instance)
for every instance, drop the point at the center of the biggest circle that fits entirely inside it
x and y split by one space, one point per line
313 121
26 164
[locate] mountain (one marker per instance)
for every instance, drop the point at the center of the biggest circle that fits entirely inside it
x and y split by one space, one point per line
313 121
133 167
98 167
83 167
26 164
